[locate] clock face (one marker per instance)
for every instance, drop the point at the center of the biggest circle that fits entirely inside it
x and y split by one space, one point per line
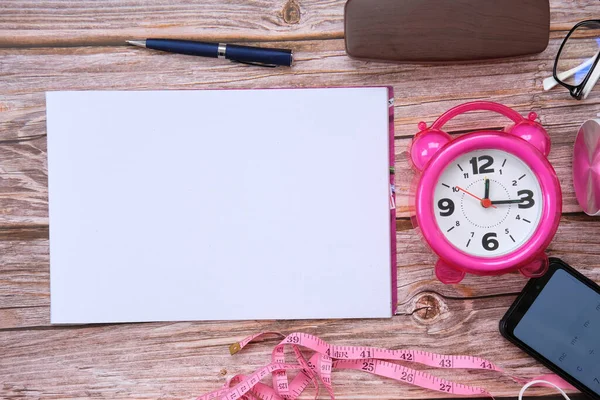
488 222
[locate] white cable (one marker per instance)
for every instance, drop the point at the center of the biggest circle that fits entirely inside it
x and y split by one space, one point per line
537 382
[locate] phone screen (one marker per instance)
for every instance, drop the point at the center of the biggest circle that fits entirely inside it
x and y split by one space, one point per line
563 325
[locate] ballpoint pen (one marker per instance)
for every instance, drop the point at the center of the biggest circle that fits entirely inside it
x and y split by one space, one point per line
244 54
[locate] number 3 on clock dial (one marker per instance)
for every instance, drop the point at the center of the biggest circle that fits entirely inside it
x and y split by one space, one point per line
477 227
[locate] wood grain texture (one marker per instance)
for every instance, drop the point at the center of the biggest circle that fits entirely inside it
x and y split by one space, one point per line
80 23
112 22
25 289
422 93
179 360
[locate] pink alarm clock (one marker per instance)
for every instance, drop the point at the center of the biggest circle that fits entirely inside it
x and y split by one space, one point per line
488 202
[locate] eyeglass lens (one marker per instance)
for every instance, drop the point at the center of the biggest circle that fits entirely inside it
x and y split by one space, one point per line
578 54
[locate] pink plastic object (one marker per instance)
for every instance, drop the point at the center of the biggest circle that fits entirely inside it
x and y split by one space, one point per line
315 370
586 167
433 149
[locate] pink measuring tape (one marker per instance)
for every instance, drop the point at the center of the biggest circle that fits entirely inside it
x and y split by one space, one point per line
317 369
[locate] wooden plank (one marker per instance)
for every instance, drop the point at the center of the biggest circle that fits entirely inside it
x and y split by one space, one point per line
181 360
24 278
575 243
83 23
422 92
185 359
25 291
428 93
560 157
23 181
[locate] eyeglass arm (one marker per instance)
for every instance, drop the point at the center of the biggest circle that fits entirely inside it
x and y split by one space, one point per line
550 82
591 83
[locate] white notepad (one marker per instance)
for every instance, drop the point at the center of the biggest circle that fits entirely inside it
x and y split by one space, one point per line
219 205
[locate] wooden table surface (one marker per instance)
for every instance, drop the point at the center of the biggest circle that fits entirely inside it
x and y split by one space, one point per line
79 45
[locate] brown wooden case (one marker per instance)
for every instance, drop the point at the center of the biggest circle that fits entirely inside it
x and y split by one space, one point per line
445 30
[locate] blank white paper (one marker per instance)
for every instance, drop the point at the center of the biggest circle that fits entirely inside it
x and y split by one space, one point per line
219 205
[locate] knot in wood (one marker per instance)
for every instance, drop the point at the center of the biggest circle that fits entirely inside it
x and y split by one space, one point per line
291 12
223 372
427 308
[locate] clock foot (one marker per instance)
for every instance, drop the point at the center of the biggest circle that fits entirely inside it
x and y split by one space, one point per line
536 268
447 274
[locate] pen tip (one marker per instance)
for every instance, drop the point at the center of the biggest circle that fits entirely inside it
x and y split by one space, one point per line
140 43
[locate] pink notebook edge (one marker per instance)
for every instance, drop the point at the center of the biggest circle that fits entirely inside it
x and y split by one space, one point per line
392 157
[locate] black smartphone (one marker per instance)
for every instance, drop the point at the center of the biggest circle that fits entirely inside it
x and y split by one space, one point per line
556 320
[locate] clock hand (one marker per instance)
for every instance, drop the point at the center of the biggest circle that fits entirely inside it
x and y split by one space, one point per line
486 203
487 188
514 201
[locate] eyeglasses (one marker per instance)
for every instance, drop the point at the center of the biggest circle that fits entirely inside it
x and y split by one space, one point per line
576 66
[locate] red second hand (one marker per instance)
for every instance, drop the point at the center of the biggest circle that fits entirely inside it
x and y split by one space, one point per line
484 202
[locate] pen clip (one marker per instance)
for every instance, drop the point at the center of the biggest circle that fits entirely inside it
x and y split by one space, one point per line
254 63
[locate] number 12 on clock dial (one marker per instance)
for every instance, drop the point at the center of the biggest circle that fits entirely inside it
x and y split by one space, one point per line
487 203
